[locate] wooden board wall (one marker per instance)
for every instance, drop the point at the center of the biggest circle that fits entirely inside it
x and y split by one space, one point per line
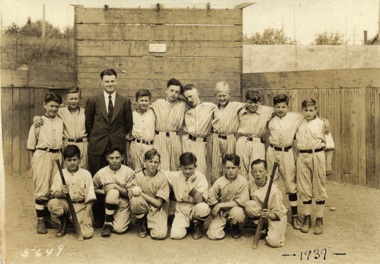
203 46
350 100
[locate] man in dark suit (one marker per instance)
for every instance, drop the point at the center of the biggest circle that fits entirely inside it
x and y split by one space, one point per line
108 120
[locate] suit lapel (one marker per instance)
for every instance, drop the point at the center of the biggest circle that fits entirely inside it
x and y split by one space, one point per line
102 106
116 110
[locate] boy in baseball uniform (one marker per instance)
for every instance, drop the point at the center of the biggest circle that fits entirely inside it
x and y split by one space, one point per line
149 198
282 129
227 198
311 165
80 187
191 191
225 124
276 212
114 181
170 113
143 130
197 125
252 127
45 144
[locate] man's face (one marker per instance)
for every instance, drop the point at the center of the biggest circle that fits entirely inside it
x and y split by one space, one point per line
281 109
72 100
109 83
309 112
114 160
188 170
192 96
51 109
143 103
172 93
223 96
252 106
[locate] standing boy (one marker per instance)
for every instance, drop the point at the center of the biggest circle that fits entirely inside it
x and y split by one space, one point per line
227 198
252 127
114 182
190 189
45 143
311 164
282 129
142 134
276 212
170 114
80 187
224 125
197 125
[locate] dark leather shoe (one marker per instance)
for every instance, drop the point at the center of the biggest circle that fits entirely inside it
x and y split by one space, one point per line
296 222
49 223
198 227
318 230
142 225
41 228
62 228
236 231
106 232
306 224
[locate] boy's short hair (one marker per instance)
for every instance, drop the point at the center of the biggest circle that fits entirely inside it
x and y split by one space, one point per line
253 95
114 148
235 159
221 85
49 97
143 92
188 87
74 90
308 102
281 98
259 161
174 82
150 154
187 158
71 151
108 72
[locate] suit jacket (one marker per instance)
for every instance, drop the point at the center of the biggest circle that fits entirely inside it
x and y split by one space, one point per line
98 127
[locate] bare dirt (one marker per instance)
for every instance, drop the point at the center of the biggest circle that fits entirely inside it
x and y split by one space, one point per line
352 235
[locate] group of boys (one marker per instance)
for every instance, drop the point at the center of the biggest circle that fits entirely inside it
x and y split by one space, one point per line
243 138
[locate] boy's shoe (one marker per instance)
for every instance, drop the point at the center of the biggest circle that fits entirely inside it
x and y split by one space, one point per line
306 224
41 228
49 223
236 231
106 232
318 230
296 222
142 225
198 227
62 228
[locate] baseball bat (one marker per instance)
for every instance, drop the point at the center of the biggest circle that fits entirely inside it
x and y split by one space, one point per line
259 228
73 214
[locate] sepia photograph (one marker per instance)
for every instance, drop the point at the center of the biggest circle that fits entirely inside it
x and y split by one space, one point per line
220 131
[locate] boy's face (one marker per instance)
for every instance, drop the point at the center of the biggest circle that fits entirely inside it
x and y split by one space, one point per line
114 160
192 96
281 109
231 170
72 100
172 93
51 109
109 83
251 106
223 96
310 112
152 164
259 174
72 164
188 170
143 103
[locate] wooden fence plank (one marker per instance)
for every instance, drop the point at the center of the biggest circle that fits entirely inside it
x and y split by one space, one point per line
6 112
173 48
370 137
360 103
25 123
164 16
158 33
16 137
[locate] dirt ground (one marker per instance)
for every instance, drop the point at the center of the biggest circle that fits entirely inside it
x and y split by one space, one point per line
352 235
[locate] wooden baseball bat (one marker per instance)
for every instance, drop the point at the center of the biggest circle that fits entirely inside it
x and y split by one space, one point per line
256 239
73 214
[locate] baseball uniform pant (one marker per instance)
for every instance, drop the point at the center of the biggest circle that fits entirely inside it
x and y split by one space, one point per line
168 144
83 147
157 218
122 215
276 228
198 147
215 230
186 212
60 206
137 152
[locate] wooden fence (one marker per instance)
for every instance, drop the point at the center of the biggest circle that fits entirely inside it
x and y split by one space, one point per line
350 99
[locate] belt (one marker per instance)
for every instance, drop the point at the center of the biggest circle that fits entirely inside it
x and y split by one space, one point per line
195 138
78 202
52 150
143 141
312 150
281 149
251 139
222 137
167 133
76 140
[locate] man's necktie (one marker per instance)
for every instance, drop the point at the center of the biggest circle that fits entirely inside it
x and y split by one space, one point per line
110 108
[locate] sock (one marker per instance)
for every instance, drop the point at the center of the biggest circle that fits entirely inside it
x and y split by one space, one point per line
39 205
320 208
110 211
293 203
307 207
